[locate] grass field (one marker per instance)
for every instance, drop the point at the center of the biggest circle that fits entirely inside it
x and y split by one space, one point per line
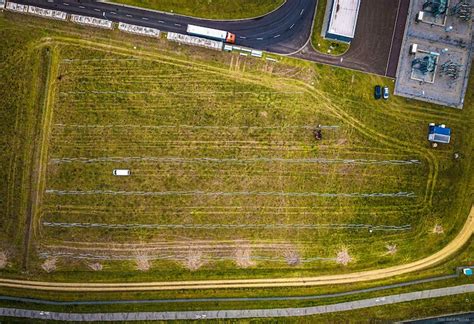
227 177
325 46
211 9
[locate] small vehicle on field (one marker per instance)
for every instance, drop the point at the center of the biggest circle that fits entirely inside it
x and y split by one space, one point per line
121 172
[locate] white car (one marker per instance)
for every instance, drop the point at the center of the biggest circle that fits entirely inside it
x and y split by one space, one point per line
121 172
385 93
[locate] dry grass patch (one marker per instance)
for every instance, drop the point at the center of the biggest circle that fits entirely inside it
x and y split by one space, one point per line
96 266
143 262
3 260
391 249
193 260
343 257
243 256
438 229
292 257
49 265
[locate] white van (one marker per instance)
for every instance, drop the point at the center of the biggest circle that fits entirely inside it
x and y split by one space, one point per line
121 172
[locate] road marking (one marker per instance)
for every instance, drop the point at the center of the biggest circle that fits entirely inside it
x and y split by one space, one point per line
179 25
129 16
292 26
144 18
113 13
95 9
66 4
302 10
82 7
260 38
393 37
243 37
276 36
161 21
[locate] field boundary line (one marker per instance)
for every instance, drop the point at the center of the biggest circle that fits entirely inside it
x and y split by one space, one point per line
42 129
459 241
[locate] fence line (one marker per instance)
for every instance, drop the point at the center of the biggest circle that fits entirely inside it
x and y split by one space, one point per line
405 227
196 127
173 257
401 194
234 160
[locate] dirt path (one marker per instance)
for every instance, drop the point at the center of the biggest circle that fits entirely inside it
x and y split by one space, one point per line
377 274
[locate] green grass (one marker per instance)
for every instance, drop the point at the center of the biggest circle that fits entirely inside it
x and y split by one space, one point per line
240 113
325 46
20 111
211 9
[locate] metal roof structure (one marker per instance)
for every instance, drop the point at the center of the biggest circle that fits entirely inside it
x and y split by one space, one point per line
343 20
439 134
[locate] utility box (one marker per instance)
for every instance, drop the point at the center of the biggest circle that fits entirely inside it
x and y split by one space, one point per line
419 16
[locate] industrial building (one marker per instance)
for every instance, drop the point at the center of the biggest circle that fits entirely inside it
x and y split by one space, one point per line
342 21
436 54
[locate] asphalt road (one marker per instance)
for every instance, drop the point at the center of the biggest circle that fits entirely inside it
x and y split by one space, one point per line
225 299
239 313
282 31
375 47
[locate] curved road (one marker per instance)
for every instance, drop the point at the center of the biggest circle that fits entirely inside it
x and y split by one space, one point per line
460 240
241 313
287 30
282 31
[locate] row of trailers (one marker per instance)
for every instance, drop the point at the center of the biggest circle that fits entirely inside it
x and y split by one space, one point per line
201 36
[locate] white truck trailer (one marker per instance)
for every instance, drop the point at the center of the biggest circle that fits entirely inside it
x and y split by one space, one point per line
217 34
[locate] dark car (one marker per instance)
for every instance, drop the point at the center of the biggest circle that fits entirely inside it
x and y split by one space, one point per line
378 92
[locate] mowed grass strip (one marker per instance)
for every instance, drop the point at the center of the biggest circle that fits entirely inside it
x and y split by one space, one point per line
213 9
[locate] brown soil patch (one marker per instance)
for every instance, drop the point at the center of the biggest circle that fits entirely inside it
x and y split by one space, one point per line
243 257
96 266
3 260
343 257
438 229
49 265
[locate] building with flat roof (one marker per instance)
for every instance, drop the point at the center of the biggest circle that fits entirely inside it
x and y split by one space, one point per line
437 51
2 4
439 134
343 20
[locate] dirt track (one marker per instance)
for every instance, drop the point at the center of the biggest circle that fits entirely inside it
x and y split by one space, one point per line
377 274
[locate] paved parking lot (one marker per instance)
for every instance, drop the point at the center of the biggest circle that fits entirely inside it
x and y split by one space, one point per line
379 33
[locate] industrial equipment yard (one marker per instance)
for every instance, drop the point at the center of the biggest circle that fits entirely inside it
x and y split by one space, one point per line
143 166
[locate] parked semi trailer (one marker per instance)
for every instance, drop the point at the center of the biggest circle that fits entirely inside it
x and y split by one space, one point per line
211 33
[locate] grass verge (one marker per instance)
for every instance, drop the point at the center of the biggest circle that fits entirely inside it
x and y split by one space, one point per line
210 9
321 44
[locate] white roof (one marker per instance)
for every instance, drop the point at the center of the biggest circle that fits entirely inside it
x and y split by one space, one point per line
344 17
209 32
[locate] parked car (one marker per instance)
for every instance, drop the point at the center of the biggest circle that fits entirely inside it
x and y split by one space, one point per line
121 172
386 93
378 92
